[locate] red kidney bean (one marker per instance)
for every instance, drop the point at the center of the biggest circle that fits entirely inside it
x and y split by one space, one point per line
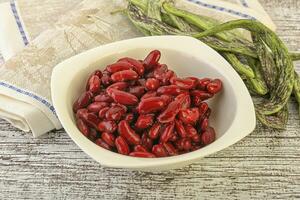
167 77
170 113
152 59
200 96
107 126
169 90
146 141
195 147
144 121
119 85
118 66
152 84
180 129
154 131
192 133
137 91
189 116
128 133
93 134
141 82
109 138
151 105
208 136
168 99
81 112
125 75
139 148
106 80
129 117
186 100
185 84
91 119
214 86
202 83
167 133
84 129
204 124
94 84
174 137
103 98
149 74
97 106
185 144
159 72
83 101
149 94
122 146
116 112
98 73
102 144
203 107
102 112
142 154
122 97
172 151
135 64
159 150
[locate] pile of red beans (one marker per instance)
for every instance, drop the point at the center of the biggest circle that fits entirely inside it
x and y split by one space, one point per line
142 109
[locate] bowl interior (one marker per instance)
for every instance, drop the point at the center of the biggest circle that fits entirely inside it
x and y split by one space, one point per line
223 105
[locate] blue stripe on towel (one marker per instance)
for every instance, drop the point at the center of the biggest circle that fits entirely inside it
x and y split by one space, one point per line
244 3
29 94
219 8
18 21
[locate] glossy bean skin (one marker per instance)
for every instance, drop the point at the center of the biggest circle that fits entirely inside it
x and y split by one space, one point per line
152 59
90 119
122 146
94 84
137 91
107 126
125 75
119 85
118 66
202 83
208 136
128 133
144 121
200 96
109 138
185 99
115 113
129 117
142 154
154 131
122 97
102 144
83 101
171 111
167 133
204 124
180 129
102 112
84 129
192 133
147 142
189 116
106 80
149 94
103 98
169 90
97 106
172 151
159 150
139 148
152 84
93 134
185 84
159 72
214 86
135 65
151 105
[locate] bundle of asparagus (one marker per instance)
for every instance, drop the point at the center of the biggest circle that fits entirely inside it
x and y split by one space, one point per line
264 64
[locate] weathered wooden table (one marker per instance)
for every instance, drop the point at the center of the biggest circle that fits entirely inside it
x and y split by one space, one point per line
264 165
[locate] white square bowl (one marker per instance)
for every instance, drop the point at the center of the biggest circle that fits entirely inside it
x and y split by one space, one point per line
233 114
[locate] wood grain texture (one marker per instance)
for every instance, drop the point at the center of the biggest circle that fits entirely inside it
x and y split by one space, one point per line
264 165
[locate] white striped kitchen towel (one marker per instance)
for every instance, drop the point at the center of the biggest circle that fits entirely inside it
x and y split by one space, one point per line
25 99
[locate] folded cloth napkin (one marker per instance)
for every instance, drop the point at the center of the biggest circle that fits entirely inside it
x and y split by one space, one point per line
25 76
